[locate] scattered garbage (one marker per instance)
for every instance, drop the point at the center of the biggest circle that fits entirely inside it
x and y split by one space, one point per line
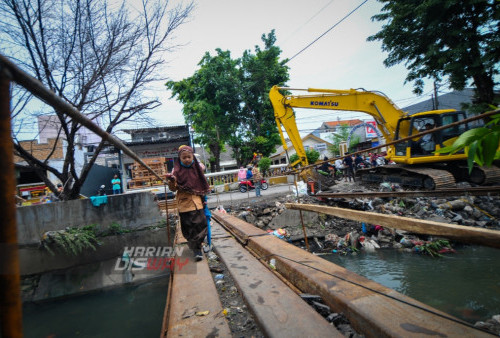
219 276
216 269
272 263
386 186
369 245
221 209
280 233
202 313
300 190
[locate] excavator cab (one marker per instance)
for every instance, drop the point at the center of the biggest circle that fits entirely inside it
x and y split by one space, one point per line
425 146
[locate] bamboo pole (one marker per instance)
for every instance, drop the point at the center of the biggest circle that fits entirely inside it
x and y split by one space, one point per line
47 96
472 191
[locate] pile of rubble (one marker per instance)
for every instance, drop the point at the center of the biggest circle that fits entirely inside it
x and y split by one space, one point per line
332 233
479 211
329 234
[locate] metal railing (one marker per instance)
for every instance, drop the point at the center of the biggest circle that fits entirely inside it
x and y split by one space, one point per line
229 177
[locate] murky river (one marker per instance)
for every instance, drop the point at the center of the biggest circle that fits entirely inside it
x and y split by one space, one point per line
131 311
465 285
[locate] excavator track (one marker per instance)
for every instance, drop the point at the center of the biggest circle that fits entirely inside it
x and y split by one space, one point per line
489 175
421 177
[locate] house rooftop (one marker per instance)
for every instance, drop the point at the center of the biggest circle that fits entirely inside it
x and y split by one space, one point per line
154 129
332 124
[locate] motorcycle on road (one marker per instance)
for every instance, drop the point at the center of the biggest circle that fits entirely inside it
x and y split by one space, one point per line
248 185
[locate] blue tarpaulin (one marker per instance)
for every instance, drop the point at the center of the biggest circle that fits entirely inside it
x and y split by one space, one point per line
98 200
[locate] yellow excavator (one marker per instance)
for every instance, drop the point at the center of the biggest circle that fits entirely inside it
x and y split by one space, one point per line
417 164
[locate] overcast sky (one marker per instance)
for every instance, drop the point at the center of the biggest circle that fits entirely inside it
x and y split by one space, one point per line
341 59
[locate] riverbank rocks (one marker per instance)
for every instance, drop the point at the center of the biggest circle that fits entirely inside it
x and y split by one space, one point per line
479 211
492 325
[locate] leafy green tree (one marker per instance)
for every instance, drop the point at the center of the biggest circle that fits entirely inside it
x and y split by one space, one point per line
264 165
482 143
311 154
459 40
355 139
226 101
259 72
339 136
211 101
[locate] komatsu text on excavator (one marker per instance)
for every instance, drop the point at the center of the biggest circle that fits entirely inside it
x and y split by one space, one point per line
417 164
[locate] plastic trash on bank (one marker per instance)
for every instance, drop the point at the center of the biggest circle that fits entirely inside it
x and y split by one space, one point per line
300 190
221 209
280 233
368 245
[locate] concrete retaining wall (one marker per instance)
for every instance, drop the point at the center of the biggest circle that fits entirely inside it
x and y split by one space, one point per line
48 276
36 260
131 211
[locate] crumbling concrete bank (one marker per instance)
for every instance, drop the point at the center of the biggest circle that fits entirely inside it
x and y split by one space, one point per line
131 211
136 219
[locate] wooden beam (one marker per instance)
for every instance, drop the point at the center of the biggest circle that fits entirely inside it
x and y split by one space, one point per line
192 290
459 233
475 191
278 310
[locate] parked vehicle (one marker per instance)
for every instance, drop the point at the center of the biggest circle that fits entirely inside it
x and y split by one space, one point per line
361 165
248 185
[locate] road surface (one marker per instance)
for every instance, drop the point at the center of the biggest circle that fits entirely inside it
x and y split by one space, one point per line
227 198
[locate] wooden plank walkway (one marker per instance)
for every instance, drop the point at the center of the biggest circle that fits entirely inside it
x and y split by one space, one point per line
191 291
279 311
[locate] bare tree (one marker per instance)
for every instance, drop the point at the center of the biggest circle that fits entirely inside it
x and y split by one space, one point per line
101 59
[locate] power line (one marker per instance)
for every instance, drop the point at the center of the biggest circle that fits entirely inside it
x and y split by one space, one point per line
335 25
309 20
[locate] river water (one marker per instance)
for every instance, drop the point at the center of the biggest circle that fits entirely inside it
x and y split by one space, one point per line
465 284
130 311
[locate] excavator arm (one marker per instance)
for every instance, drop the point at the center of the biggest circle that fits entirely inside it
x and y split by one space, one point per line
381 108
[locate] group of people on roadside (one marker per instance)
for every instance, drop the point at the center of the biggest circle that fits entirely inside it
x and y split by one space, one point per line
350 163
116 183
252 174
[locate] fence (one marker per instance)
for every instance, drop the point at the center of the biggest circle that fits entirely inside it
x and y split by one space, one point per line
231 176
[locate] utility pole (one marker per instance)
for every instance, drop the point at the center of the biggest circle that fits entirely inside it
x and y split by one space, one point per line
435 97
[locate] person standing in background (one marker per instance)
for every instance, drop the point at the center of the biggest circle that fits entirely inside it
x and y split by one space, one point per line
349 170
242 174
117 186
101 191
257 177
